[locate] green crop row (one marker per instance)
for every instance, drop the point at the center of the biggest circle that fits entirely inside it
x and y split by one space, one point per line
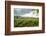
25 22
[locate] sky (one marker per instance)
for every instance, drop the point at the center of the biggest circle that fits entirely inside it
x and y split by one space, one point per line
19 11
25 12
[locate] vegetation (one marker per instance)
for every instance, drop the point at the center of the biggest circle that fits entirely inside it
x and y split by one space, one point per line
25 22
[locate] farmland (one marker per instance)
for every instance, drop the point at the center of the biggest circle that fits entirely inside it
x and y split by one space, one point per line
25 21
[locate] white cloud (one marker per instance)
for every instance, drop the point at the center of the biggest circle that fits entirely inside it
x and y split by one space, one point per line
30 15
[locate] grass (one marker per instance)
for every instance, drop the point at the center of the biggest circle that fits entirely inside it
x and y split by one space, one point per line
25 22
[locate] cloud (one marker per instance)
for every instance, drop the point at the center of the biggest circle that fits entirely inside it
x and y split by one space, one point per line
20 11
26 12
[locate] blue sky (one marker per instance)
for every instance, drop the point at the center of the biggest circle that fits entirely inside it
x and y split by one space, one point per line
21 11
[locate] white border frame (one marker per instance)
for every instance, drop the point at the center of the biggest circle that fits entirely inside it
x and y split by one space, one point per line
26 28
